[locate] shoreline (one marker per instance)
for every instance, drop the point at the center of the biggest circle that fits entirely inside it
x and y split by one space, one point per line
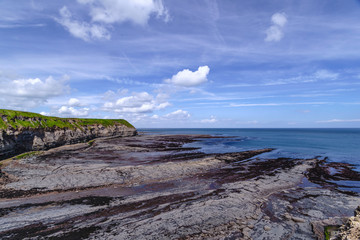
149 185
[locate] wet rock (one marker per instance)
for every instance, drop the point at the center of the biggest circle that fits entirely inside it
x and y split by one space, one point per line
251 226
287 216
128 188
246 232
290 207
239 156
298 220
267 228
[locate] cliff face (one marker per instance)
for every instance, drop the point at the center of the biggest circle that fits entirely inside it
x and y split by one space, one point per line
35 133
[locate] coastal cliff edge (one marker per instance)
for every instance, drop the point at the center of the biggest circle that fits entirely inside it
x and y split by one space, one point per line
24 131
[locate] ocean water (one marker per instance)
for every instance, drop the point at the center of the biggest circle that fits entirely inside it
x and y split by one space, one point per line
338 145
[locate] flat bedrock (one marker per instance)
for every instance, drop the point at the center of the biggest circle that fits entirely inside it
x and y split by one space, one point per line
149 187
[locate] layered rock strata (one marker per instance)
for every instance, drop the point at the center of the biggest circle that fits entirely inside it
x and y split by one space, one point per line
15 141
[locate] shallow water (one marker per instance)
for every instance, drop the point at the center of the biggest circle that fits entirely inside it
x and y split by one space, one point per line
338 145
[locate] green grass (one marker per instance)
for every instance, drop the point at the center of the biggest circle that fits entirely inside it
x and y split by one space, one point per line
329 229
27 154
18 119
20 156
91 142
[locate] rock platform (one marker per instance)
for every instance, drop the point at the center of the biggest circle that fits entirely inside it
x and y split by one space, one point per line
159 187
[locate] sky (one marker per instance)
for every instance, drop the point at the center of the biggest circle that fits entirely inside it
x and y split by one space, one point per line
184 64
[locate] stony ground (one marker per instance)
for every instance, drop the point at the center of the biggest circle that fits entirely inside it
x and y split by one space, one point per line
154 187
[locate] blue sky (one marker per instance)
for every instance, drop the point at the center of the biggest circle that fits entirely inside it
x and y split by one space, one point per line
189 63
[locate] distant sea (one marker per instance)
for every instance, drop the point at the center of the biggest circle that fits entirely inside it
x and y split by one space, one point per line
337 144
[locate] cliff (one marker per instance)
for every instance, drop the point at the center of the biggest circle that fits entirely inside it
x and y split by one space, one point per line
24 131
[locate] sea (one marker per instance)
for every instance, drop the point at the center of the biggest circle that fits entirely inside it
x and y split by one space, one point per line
334 144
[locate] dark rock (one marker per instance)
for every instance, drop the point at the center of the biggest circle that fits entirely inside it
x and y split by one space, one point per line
13 142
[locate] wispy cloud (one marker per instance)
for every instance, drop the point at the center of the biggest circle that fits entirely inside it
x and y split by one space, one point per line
106 13
319 75
339 121
19 25
276 104
326 74
80 29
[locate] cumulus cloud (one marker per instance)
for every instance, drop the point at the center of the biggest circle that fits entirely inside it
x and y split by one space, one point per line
73 112
104 13
141 102
118 11
73 108
80 29
31 92
178 114
275 32
212 119
187 78
74 102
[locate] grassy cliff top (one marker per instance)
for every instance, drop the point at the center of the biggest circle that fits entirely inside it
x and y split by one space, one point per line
19 119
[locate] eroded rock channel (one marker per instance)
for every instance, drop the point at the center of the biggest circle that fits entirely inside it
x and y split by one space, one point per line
151 187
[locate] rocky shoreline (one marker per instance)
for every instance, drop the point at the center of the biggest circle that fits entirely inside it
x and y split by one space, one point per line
24 131
17 141
152 187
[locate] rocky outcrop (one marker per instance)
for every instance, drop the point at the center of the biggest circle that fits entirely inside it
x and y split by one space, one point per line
16 141
351 229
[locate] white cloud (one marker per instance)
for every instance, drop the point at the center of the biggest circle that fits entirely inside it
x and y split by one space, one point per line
118 11
178 114
279 19
74 102
187 78
212 119
31 92
326 74
8 26
141 102
105 13
81 29
276 104
339 120
275 31
319 75
34 87
73 112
